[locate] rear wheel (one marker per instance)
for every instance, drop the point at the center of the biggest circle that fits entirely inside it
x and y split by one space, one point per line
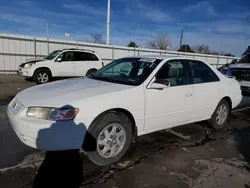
42 76
220 115
112 133
90 71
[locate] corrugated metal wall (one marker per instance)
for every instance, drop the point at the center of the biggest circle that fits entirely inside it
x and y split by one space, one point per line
15 49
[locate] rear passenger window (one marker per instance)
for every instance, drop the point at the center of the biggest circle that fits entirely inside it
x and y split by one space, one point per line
93 57
201 73
82 56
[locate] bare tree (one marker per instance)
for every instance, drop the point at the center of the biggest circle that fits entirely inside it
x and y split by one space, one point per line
152 44
160 42
201 49
96 38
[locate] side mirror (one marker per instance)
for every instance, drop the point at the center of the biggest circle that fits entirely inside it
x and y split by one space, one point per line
59 59
160 84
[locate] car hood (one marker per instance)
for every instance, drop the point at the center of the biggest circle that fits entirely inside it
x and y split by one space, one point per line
57 94
241 65
34 59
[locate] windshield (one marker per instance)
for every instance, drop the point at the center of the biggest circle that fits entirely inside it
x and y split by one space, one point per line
130 71
245 59
53 54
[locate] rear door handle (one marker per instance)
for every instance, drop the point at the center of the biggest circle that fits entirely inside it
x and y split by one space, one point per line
189 95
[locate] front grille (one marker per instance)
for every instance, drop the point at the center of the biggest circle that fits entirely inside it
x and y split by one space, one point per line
241 74
16 106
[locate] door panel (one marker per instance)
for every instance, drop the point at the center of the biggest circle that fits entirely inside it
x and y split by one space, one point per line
205 99
168 107
66 67
173 105
84 62
206 89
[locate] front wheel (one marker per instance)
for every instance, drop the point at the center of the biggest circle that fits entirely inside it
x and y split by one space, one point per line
220 115
112 133
42 76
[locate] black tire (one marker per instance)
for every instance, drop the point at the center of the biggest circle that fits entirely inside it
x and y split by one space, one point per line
90 71
95 130
40 72
213 122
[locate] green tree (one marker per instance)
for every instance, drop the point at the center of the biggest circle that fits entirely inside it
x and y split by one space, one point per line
132 44
247 51
186 48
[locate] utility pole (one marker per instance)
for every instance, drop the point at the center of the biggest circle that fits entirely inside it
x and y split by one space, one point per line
181 38
108 22
47 33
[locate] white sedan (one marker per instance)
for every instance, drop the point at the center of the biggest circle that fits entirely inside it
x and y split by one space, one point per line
129 97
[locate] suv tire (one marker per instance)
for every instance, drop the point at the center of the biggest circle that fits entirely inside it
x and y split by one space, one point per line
90 71
42 76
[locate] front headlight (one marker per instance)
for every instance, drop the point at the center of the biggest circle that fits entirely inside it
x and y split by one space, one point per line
29 64
54 114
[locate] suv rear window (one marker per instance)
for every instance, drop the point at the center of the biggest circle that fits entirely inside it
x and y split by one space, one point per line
93 57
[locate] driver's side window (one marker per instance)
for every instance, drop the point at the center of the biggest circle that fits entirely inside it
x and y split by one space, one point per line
173 72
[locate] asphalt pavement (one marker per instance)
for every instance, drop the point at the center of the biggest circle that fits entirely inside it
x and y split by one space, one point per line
188 156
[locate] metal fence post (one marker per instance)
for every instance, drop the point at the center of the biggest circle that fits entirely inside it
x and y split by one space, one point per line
113 51
48 45
218 61
35 47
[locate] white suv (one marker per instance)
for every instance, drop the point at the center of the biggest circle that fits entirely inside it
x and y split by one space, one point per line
61 63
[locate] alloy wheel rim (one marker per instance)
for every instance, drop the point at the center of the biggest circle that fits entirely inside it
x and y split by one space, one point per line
221 114
111 140
43 77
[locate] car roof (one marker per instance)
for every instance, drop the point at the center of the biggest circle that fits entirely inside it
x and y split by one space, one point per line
77 49
163 57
